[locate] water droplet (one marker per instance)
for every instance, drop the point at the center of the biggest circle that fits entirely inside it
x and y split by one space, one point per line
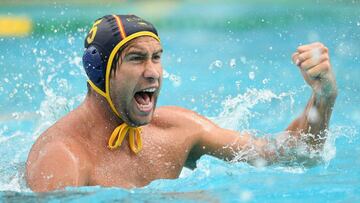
246 196
232 63
42 52
237 83
215 64
15 115
313 115
265 81
71 40
251 75
176 80
165 74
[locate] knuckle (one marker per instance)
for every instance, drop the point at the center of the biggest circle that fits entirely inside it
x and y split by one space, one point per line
326 65
324 49
302 57
300 48
326 57
310 72
302 66
305 66
319 44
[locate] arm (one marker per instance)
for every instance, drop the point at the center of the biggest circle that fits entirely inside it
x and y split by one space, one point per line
313 61
54 167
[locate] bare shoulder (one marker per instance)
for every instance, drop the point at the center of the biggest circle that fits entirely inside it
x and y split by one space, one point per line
56 160
180 117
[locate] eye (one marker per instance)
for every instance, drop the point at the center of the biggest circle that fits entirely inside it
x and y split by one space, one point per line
156 57
135 58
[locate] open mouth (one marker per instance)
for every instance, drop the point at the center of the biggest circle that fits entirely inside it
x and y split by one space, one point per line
145 99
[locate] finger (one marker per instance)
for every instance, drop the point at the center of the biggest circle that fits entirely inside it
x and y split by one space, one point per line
313 61
295 57
308 47
312 53
319 70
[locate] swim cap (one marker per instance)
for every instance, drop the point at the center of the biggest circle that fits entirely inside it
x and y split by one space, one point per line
107 35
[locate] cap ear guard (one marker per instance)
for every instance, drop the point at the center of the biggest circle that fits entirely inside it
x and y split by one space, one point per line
94 67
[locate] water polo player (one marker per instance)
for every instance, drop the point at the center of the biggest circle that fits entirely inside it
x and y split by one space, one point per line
117 137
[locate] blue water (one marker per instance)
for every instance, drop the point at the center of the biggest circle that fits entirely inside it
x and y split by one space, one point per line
230 63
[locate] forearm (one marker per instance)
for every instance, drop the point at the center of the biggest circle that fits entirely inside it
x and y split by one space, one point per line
315 119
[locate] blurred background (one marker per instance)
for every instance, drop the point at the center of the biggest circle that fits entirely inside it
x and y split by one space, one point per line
41 45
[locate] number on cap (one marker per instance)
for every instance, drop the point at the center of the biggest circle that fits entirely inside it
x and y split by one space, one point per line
92 32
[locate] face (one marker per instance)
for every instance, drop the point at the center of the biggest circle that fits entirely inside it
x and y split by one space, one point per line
135 85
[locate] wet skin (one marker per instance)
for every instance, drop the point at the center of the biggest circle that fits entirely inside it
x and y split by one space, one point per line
74 152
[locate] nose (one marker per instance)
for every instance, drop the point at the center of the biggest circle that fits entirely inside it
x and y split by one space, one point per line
152 71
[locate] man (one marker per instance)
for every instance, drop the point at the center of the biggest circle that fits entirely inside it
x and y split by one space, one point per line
116 137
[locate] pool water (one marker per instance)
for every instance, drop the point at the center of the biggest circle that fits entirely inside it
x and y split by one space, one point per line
231 63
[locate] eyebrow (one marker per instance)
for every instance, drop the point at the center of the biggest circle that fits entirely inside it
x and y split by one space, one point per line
141 52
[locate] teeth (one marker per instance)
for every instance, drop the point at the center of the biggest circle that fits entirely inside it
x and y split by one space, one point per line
149 90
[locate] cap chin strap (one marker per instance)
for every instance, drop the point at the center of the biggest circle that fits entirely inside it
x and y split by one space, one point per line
118 135
120 132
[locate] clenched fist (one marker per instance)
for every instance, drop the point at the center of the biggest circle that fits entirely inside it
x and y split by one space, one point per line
314 63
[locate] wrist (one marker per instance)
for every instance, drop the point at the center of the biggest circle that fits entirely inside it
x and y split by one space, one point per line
327 90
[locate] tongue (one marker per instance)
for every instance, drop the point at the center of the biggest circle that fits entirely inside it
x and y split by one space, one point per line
142 98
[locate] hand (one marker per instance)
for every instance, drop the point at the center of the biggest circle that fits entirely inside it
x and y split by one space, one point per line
314 63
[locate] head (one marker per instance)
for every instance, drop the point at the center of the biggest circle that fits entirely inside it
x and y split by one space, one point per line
136 80
122 60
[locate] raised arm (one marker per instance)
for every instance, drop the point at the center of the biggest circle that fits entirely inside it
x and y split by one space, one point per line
313 62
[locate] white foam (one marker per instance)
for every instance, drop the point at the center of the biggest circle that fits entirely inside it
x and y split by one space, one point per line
236 111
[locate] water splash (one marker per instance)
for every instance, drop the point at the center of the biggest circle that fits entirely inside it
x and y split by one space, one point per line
12 165
296 154
237 112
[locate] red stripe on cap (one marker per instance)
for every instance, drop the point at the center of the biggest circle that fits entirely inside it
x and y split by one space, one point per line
120 26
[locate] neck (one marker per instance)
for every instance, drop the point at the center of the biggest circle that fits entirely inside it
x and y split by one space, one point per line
97 109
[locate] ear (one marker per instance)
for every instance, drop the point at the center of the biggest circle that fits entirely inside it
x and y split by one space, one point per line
94 66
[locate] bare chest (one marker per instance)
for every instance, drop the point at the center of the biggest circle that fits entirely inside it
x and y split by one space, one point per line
159 159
